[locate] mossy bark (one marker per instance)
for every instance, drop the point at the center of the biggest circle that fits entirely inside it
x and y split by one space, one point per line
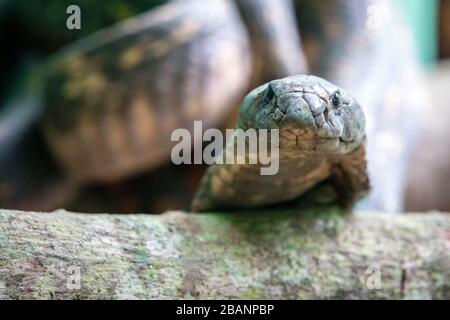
320 253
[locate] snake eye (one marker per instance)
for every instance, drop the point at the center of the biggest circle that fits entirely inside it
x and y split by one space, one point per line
336 99
268 96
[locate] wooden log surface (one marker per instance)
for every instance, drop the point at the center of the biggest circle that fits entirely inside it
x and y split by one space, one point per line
285 254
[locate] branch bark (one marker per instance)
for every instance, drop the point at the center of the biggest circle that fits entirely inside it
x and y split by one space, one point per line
309 253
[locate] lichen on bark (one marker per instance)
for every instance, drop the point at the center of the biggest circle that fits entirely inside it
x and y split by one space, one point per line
282 254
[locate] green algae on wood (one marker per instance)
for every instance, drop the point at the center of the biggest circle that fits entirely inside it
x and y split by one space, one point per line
289 254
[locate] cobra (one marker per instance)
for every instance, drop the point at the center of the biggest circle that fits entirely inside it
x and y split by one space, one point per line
112 99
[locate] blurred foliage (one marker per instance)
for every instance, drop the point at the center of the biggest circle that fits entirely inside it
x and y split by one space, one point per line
47 18
422 16
4 7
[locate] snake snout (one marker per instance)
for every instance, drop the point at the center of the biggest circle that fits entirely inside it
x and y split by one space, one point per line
311 113
310 110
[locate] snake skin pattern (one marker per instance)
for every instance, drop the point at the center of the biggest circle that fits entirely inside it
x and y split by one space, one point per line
321 137
365 47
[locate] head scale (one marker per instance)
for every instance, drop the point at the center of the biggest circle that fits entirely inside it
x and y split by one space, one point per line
306 105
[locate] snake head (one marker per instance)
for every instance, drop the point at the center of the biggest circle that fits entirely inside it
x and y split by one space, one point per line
309 111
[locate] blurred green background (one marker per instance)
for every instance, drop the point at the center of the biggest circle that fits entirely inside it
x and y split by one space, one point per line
422 16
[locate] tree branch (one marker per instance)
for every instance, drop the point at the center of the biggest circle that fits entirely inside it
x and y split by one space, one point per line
309 253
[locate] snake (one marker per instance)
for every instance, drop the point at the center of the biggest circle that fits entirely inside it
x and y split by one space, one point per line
112 99
321 137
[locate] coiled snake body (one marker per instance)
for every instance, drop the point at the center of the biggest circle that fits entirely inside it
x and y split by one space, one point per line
113 99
